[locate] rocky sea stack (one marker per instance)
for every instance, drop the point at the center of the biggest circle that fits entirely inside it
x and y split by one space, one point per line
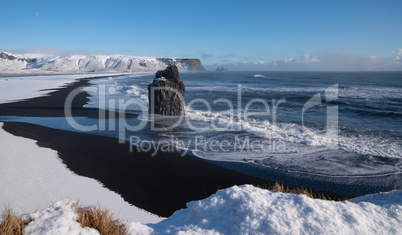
166 92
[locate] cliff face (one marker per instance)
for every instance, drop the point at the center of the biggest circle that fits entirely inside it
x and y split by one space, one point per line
13 63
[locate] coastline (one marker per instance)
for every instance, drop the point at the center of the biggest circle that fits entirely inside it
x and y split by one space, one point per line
161 184
52 104
331 186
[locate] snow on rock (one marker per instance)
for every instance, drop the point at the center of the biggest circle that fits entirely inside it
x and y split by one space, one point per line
58 219
24 63
250 210
32 178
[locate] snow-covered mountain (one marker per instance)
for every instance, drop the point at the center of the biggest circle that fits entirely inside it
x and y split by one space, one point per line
34 63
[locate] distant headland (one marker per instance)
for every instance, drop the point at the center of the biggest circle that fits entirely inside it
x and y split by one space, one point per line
37 63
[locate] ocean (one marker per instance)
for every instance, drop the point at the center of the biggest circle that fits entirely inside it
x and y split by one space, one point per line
368 105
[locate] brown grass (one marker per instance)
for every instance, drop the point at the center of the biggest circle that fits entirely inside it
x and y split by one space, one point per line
12 224
92 217
101 220
277 187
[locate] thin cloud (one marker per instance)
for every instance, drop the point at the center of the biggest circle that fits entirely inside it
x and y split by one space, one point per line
55 51
324 61
206 56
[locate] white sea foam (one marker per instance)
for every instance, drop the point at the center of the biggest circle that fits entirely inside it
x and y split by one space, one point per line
259 76
289 132
137 92
294 133
115 90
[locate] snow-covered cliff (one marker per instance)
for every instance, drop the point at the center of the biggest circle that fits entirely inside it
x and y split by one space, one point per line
28 63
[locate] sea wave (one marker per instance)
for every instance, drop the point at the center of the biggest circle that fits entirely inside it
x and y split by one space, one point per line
137 92
294 133
290 132
259 76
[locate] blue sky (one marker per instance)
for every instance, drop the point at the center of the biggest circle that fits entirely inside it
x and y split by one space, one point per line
271 35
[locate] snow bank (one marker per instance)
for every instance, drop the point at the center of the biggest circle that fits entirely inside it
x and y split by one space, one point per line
33 178
250 210
25 87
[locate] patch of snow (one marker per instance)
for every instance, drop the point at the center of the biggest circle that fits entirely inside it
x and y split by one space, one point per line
156 80
250 210
25 87
33 177
58 219
138 228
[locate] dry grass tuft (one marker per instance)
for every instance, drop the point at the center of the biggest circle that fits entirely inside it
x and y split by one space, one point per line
101 220
277 187
12 224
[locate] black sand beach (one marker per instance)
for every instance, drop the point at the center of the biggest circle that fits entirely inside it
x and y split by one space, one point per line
52 105
161 184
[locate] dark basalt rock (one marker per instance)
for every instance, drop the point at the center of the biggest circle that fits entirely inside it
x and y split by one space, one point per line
143 64
7 56
166 92
171 73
